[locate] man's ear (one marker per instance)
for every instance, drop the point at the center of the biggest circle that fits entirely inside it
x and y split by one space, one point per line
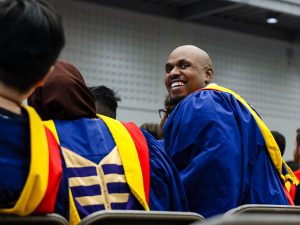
209 73
41 82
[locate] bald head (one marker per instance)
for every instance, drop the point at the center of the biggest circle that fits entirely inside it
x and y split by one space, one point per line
188 69
195 52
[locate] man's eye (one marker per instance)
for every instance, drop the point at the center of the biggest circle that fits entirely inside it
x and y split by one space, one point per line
168 68
184 65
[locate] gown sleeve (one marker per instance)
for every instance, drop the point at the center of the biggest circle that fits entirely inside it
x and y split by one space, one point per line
166 190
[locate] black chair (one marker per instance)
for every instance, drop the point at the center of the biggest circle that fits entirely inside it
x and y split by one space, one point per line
48 219
134 217
265 209
253 219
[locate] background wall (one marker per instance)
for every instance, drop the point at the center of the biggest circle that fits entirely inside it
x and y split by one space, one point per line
127 52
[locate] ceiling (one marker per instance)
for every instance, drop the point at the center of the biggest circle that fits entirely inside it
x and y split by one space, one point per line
246 16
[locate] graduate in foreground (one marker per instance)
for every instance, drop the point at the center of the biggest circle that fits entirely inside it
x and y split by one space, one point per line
31 38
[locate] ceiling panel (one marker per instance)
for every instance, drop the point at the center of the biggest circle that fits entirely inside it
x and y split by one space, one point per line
228 14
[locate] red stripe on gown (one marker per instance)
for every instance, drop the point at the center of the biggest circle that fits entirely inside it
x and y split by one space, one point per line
293 187
54 177
143 153
288 196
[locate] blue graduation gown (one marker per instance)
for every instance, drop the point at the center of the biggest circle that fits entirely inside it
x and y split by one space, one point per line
92 140
14 156
220 154
166 189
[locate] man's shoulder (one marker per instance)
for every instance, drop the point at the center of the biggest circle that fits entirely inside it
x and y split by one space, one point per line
208 103
207 97
10 116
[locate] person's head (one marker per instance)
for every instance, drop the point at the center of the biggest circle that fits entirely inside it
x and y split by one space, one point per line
297 146
31 38
64 95
154 129
106 101
280 140
188 69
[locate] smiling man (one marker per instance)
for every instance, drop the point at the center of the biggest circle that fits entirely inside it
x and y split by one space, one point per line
225 154
191 60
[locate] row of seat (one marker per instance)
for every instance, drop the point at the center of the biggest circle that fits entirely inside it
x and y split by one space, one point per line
243 215
110 217
257 215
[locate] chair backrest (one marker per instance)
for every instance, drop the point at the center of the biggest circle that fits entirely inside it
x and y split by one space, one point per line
49 219
253 219
265 209
134 217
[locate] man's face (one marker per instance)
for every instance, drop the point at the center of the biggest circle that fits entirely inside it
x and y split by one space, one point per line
185 73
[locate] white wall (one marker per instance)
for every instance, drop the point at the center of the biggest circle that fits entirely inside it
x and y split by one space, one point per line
127 51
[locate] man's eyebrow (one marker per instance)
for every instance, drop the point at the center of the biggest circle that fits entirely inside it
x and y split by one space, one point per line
179 61
183 61
168 64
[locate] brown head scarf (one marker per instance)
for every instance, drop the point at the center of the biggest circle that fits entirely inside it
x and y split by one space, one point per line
64 95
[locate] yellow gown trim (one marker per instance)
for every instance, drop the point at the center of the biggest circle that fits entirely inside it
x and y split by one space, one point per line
129 158
73 213
271 144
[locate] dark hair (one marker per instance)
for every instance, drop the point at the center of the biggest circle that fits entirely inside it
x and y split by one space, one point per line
106 100
280 140
293 165
170 104
154 129
298 136
31 38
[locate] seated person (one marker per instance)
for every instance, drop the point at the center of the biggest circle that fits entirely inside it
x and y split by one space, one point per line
108 164
225 154
31 38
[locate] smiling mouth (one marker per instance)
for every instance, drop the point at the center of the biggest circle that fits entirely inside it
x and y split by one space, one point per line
176 85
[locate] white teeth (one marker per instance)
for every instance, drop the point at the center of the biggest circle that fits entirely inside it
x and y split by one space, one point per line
177 84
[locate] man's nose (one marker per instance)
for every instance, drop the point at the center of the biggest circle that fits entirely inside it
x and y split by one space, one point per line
174 72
